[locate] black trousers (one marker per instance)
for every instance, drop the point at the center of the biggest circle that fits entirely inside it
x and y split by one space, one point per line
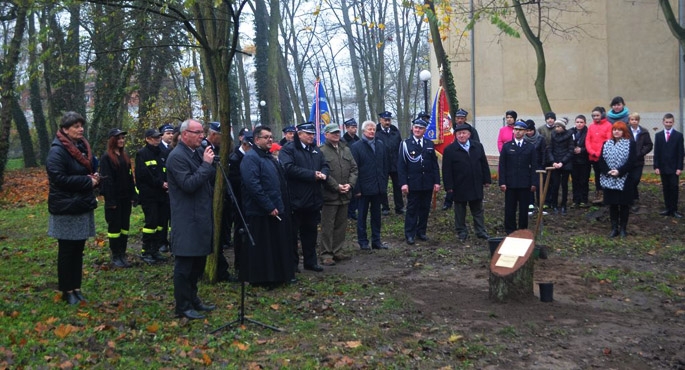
70 264
187 272
580 179
396 194
418 208
477 212
669 184
156 219
516 199
369 204
306 222
118 224
559 180
595 167
634 177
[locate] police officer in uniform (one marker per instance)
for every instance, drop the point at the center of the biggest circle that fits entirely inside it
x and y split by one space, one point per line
288 135
419 176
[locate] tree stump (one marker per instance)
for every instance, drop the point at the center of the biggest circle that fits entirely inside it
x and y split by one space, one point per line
514 283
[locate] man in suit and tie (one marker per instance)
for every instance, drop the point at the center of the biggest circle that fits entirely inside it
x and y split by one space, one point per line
419 176
668 163
517 178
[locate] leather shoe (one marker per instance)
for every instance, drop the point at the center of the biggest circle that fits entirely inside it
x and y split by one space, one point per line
158 257
410 240
80 296
164 248
191 315
204 307
665 213
385 212
70 298
382 246
462 237
483 236
423 237
117 262
677 214
364 247
147 258
445 207
399 211
315 268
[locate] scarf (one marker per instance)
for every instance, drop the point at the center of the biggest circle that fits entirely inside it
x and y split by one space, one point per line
619 116
372 142
532 139
615 154
79 151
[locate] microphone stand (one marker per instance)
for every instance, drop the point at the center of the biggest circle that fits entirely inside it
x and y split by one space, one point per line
245 232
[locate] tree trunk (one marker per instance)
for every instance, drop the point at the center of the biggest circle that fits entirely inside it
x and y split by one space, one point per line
676 29
24 134
7 93
443 62
35 98
539 55
516 283
359 92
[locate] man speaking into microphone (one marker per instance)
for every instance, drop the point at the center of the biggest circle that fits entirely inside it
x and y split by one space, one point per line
190 174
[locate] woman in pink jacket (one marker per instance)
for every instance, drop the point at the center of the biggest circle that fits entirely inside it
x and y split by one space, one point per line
597 133
506 133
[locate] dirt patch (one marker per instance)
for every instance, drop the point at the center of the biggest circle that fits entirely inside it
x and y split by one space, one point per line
592 322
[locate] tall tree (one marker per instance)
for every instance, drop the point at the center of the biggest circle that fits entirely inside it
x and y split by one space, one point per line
22 125
36 101
676 29
16 12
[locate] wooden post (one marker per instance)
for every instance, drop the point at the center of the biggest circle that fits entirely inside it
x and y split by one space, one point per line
515 283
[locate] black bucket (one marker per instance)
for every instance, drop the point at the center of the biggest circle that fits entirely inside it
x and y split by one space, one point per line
546 292
493 243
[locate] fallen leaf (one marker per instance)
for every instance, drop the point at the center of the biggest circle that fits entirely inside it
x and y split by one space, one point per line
353 343
206 360
652 252
14 314
63 330
152 328
455 337
51 320
40 327
606 351
240 346
275 307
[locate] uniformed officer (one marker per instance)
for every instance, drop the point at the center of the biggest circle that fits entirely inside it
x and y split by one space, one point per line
288 135
419 176
389 134
517 178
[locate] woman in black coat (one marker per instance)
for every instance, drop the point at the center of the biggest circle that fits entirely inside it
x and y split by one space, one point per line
71 202
560 154
617 158
580 173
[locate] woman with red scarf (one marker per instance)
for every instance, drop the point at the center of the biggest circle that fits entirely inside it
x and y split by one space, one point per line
71 202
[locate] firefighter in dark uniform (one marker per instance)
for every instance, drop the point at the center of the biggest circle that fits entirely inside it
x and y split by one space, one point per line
419 176
153 195
389 134
167 131
517 178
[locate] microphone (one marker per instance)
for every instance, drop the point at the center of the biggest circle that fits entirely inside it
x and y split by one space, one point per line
204 144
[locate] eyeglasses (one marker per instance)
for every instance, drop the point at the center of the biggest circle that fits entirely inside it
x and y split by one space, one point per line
265 137
198 132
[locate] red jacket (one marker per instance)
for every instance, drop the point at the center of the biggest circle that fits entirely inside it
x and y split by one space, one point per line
597 134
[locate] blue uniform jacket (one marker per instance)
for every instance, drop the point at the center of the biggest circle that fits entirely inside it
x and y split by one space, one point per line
417 167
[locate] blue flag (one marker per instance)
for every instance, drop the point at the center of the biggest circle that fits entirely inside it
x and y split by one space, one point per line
319 113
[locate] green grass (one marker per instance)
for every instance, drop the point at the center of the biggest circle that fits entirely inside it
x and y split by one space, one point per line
129 321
